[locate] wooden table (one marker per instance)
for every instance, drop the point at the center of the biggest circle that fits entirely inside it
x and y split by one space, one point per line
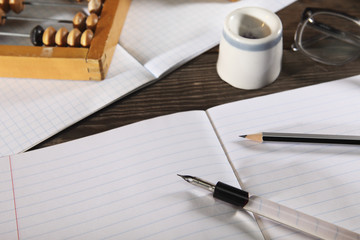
196 84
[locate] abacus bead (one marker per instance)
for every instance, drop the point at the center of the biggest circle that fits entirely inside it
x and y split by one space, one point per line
92 21
79 21
73 39
94 6
16 5
2 17
86 38
61 37
36 35
49 36
4 5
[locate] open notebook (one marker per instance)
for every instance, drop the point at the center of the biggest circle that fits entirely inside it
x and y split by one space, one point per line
158 36
123 184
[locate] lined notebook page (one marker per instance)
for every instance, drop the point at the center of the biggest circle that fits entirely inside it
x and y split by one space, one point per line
181 30
123 184
319 179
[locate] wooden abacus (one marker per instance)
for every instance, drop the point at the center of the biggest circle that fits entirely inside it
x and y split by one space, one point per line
72 63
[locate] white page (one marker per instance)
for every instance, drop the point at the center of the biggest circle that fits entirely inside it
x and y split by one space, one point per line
174 31
319 179
123 184
31 110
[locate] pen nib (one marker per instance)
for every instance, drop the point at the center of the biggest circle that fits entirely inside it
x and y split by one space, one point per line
198 182
186 177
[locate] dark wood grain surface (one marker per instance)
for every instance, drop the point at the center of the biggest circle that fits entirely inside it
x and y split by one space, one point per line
196 84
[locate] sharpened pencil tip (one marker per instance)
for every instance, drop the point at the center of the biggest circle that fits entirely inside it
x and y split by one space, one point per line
243 136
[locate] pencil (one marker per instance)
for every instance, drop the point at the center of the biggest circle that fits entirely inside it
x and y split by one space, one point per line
304 138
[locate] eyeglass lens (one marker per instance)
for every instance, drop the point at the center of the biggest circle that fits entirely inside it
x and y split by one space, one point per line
330 38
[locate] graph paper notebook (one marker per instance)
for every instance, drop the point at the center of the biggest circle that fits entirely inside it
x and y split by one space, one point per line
123 184
31 110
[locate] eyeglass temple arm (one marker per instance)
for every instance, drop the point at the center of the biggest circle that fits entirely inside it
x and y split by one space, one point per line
308 12
333 32
330 31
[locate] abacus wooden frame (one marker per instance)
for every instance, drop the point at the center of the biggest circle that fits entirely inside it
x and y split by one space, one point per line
65 62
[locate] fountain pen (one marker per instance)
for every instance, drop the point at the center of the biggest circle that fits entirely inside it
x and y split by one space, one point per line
274 211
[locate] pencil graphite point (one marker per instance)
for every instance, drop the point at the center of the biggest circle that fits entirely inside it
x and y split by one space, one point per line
254 137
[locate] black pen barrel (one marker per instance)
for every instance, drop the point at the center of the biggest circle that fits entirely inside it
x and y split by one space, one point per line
231 194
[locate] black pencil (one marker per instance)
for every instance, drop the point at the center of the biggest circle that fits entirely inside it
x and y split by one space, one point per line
304 138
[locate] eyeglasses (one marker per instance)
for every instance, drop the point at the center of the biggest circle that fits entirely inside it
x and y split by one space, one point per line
328 37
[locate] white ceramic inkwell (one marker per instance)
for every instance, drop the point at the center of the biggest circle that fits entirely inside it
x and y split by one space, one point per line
250 51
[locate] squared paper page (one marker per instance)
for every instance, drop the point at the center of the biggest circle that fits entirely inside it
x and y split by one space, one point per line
322 180
162 34
32 110
123 184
